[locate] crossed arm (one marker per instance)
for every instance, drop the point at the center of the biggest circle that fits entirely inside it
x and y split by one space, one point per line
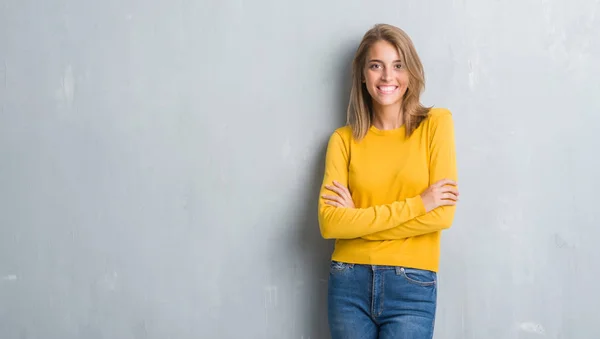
431 211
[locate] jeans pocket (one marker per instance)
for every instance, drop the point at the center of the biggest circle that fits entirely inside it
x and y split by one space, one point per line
339 267
419 277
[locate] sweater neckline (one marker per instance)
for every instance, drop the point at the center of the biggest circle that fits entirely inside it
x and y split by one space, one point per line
394 131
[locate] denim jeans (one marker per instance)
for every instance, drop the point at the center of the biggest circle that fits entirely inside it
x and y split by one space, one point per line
381 302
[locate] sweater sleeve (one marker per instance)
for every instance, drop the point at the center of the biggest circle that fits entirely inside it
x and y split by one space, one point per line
349 223
442 165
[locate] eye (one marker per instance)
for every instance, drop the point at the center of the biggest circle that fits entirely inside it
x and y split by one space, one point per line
374 66
398 66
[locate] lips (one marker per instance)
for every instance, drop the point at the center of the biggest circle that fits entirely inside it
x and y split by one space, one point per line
387 89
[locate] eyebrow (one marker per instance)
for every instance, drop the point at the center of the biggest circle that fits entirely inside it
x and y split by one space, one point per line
377 60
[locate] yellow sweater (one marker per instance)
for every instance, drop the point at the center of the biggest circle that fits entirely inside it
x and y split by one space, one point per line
386 173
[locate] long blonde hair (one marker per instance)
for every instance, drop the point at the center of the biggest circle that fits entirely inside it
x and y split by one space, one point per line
360 107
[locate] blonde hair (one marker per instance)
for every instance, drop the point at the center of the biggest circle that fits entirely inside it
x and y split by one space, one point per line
360 107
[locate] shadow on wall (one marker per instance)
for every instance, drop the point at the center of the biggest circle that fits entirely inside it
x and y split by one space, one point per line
312 250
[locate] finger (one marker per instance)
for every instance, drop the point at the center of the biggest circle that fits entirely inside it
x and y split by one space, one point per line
333 203
334 189
443 182
344 189
450 189
334 198
337 203
446 202
449 196
338 190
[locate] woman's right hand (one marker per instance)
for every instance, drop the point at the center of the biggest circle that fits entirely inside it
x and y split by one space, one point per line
441 193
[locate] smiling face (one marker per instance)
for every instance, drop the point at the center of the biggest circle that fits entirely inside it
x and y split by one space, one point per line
385 76
387 81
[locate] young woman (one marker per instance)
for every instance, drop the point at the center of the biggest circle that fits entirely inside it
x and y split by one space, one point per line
388 191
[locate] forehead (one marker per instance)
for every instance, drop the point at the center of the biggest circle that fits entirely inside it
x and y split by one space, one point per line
383 51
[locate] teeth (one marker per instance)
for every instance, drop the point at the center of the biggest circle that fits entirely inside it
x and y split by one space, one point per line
387 89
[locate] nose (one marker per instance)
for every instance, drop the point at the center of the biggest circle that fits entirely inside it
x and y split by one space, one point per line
385 74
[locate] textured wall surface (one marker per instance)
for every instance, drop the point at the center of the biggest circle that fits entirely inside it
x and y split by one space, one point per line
160 164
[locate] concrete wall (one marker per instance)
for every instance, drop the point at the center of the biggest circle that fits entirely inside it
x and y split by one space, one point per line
160 162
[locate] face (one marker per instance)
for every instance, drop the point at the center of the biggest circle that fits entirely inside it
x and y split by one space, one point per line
385 75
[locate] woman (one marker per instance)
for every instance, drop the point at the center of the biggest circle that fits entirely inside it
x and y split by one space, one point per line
388 191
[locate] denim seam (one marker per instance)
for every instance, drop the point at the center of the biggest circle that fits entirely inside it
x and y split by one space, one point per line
340 266
382 295
373 290
416 282
434 309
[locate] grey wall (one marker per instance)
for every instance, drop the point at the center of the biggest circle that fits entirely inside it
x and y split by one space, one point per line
160 162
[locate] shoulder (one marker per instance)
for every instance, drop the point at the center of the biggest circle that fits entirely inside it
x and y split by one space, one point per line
339 141
439 116
343 131
438 112
341 137
343 134
440 125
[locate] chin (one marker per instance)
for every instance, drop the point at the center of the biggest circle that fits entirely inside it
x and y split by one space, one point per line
387 101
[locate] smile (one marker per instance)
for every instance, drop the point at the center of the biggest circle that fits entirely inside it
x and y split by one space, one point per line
387 89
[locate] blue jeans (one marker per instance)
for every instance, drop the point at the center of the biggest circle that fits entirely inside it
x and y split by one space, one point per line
381 302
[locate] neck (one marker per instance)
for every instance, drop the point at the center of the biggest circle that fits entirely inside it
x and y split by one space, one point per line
388 117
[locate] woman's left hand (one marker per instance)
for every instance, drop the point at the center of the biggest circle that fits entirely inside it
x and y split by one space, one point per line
343 197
